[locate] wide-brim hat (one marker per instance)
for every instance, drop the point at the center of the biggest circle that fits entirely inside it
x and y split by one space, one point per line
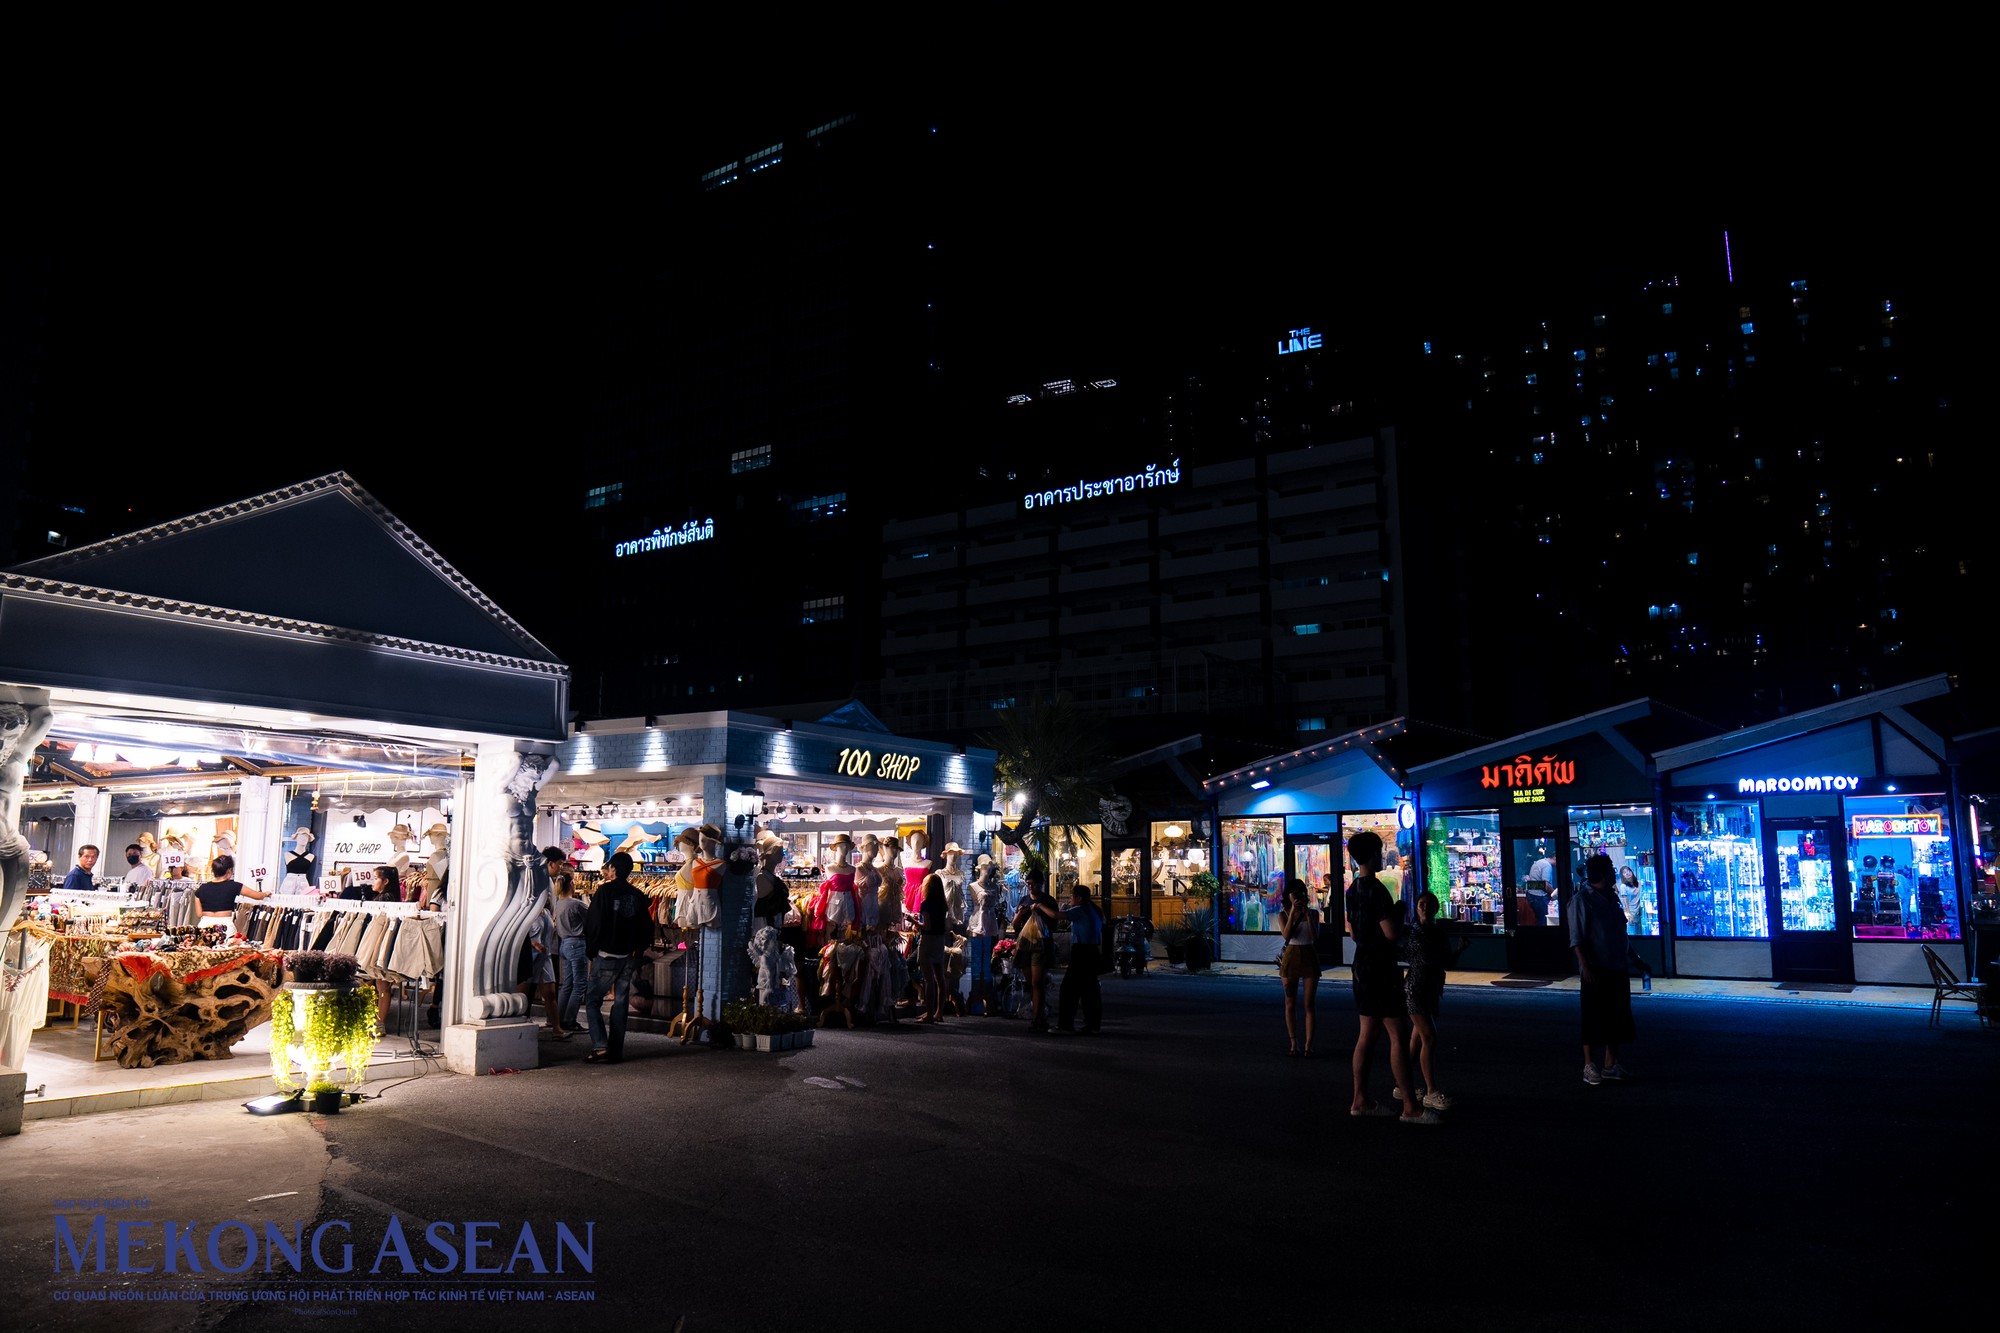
954 847
435 829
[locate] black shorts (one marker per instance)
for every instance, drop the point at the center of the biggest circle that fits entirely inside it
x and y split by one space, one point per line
1378 989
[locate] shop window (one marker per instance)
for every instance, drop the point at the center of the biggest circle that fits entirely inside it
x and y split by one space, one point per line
1462 864
1180 852
1625 834
1398 849
1251 868
1718 867
1899 864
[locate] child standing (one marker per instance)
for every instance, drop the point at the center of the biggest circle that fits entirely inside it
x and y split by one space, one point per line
1430 952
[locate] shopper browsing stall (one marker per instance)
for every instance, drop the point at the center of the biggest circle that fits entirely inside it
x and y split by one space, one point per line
219 896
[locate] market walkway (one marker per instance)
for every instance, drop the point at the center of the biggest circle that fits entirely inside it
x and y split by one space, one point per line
1177 1172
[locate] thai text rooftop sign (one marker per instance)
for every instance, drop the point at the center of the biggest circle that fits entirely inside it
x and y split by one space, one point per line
1154 475
1528 779
662 538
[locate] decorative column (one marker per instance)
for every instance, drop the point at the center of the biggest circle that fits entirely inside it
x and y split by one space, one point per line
93 826
24 723
497 881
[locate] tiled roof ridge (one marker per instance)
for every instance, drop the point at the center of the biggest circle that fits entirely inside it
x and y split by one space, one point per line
340 481
29 583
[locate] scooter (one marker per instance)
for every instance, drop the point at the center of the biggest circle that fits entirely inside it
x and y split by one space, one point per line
1131 949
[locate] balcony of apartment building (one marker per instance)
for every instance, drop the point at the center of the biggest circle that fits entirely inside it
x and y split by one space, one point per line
1135 531
1010 590
918 602
1118 574
1234 556
1034 546
920 564
1288 642
1242 513
1007 631
902 530
927 640
1340 595
1103 619
1181 607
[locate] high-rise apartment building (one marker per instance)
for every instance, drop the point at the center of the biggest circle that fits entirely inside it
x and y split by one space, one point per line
1731 490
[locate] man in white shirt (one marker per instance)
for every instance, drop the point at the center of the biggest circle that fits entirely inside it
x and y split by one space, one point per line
139 876
1541 882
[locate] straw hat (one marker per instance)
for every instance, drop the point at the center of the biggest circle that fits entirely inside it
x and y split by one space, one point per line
439 830
954 847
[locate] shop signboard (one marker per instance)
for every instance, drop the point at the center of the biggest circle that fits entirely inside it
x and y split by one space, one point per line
1527 779
1897 826
890 766
1805 782
1299 340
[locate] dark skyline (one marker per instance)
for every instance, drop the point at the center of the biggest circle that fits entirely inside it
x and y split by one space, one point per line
416 317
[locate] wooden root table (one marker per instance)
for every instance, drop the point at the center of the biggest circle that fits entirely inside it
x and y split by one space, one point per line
191 1005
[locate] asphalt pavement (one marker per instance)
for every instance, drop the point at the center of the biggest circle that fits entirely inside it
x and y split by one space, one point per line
1777 1166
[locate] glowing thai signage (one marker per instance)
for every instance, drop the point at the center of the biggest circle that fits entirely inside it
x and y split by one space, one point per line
662 538
1528 779
1811 782
1897 826
1299 340
1154 475
888 766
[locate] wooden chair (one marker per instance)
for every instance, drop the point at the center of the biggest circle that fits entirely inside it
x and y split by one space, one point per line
1945 985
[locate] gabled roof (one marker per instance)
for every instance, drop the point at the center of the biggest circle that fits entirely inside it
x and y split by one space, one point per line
1889 703
1610 723
1375 741
323 552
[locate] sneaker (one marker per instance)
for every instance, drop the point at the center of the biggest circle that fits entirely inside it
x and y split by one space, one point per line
1616 1073
1590 1075
1437 1101
1422 1118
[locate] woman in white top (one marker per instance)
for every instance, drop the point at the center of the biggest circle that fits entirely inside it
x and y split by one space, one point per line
1299 964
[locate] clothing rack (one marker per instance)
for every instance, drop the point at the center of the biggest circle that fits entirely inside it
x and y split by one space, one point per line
313 902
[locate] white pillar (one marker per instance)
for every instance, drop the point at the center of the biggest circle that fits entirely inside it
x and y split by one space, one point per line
496 874
93 826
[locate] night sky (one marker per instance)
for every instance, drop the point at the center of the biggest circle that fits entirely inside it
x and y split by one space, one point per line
395 284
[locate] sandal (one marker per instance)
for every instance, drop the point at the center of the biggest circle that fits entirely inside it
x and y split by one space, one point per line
1294 1051
597 1058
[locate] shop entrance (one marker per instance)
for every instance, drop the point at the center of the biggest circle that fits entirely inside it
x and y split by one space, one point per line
1810 915
1540 875
1318 861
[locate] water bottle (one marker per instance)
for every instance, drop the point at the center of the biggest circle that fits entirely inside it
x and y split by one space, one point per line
1646 983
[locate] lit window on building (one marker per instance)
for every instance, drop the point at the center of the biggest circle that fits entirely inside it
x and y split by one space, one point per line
721 176
747 460
1311 724
599 496
821 609
822 506
818 130
1306 629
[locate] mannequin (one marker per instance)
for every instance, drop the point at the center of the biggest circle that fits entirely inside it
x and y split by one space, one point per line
299 866
868 883
589 844
400 838
439 860
953 876
149 852
771 900
916 872
890 864
833 908
698 903
989 916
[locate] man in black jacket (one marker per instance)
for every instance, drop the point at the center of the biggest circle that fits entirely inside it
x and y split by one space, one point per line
617 932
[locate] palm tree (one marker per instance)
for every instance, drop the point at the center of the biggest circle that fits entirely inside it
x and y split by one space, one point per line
1053 754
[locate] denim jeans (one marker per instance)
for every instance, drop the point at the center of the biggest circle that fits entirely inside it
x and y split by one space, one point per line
614 975
575 981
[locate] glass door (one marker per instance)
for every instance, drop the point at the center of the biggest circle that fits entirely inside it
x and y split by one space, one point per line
1811 934
1317 860
1538 873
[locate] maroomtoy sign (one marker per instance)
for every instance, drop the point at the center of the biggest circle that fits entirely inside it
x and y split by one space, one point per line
1814 782
1154 475
662 538
1528 779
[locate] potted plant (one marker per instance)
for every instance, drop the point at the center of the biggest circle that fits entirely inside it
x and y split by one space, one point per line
319 1017
1201 922
1174 940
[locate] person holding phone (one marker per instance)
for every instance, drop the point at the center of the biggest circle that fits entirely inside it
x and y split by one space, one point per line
1298 925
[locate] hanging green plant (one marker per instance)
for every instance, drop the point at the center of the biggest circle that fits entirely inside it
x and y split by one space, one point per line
315 1022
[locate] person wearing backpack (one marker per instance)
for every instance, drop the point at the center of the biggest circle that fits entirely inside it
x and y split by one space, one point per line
617 932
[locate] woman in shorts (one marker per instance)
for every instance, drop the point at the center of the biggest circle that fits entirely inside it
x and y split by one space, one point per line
1299 965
